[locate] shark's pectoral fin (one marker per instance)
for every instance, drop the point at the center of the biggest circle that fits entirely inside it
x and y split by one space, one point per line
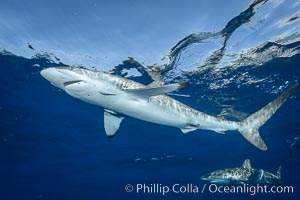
112 122
256 177
147 92
221 181
260 174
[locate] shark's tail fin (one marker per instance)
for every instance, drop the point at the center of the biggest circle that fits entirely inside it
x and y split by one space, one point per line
249 127
279 174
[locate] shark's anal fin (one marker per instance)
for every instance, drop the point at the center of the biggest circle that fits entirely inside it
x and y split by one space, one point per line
147 92
112 122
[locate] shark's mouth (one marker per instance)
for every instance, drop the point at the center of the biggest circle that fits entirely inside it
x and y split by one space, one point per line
71 82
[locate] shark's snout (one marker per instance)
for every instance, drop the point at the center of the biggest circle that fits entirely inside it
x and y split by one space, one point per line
57 76
205 177
44 73
50 73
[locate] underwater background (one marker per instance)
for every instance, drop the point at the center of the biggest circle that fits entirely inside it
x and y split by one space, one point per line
53 146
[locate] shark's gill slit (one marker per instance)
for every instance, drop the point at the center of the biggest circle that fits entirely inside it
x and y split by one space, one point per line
71 82
106 94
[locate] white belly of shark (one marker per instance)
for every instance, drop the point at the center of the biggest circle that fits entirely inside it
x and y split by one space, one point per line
122 97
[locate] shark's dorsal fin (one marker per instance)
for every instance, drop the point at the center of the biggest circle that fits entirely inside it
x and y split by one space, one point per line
147 92
247 164
279 174
112 122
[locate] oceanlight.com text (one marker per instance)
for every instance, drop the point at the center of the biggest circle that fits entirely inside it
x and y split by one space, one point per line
189 188
250 189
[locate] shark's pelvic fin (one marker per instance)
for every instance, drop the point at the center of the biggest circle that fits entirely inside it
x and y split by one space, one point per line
112 122
188 129
249 127
147 92
247 164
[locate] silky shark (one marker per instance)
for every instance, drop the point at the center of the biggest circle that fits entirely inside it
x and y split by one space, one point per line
122 97
243 174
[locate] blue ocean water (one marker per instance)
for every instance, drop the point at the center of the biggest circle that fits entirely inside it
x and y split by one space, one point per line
53 146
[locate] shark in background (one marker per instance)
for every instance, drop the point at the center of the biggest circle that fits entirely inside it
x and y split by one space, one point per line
244 174
122 97
296 142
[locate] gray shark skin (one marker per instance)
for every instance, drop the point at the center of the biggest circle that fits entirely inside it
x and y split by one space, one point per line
122 97
244 174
